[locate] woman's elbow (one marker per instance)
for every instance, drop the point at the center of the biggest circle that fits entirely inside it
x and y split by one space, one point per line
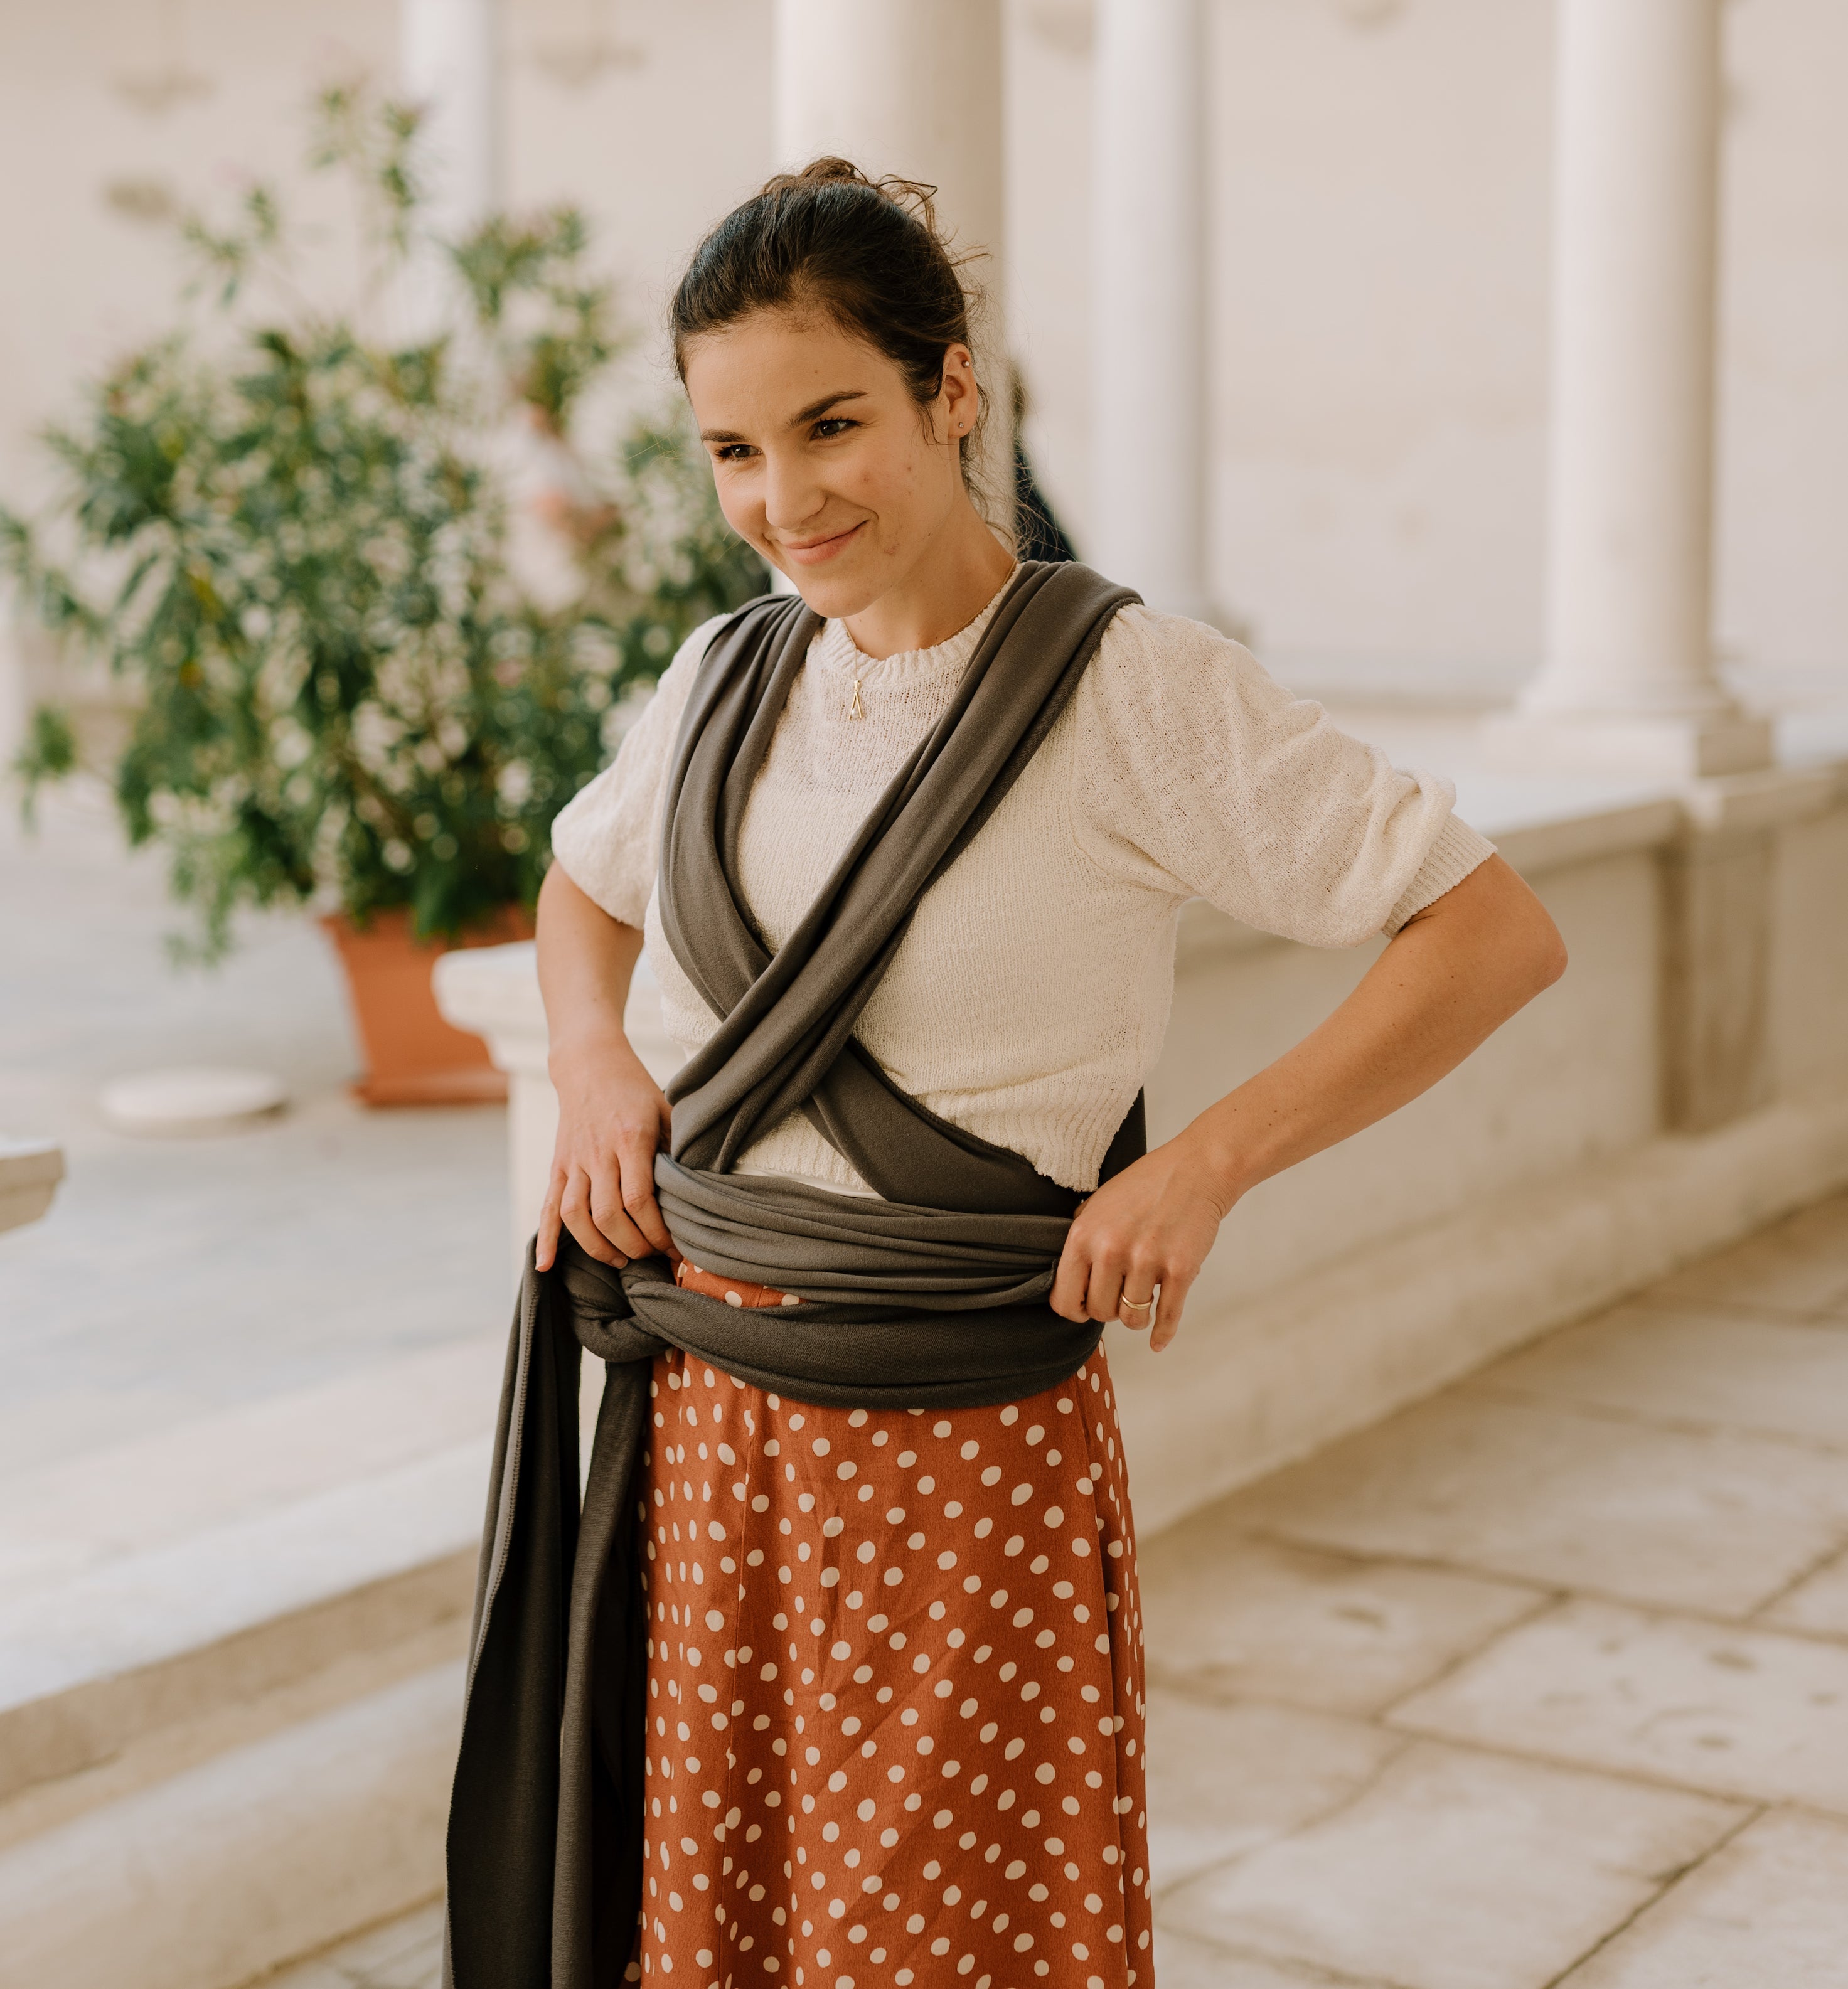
1544 951
1494 913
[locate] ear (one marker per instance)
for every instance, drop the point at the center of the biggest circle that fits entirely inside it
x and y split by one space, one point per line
960 397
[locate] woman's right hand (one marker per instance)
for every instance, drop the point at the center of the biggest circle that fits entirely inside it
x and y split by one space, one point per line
611 1117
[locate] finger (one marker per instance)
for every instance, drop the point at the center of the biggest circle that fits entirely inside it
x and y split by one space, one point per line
1067 1297
638 1156
1105 1283
1136 1306
607 1212
1170 1300
574 1208
545 1244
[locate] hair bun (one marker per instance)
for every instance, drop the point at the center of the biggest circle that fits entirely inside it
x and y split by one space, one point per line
913 196
830 168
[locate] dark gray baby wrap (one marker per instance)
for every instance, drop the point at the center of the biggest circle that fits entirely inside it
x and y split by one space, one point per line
934 1297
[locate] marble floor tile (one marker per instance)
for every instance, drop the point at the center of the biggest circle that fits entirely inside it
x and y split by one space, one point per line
1456 1870
1736 1713
1245 1618
1768 1911
1798 1265
1182 1962
1778 1377
1818 1603
1707 1520
1224 1779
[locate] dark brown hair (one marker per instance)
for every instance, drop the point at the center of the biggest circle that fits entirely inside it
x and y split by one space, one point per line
867 253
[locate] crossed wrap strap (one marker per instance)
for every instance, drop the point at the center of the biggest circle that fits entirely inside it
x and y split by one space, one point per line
933 1298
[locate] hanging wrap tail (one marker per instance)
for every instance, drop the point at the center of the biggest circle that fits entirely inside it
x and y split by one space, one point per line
934 1297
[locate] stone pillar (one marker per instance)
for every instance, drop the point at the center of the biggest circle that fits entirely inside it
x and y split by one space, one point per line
1628 684
1150 403
449 65
914 87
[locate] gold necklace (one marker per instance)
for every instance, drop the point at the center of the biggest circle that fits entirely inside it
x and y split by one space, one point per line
855 710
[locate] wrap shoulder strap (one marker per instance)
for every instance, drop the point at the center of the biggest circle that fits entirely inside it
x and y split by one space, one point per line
785 1037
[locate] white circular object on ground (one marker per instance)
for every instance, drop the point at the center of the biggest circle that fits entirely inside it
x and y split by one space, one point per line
206 1099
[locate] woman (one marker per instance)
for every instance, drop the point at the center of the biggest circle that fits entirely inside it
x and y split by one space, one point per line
906 853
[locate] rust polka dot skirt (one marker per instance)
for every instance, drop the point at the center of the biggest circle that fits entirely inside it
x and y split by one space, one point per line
895 1696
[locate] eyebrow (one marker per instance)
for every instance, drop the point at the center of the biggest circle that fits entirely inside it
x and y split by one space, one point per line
814 411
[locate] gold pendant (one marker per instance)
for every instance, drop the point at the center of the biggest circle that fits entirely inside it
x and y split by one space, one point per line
854 710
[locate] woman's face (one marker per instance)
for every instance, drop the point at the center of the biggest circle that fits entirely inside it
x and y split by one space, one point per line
822 460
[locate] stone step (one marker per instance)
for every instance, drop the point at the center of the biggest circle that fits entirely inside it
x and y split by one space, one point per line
210 1874
216 1562
230 1680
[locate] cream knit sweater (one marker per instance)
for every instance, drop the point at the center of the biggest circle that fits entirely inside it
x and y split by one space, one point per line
1031 996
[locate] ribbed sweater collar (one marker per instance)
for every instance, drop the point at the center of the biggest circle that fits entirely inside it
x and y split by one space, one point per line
836 651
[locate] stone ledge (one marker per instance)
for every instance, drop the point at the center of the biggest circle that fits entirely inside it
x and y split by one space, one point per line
94 1720
91 1664
259 1545
69 1517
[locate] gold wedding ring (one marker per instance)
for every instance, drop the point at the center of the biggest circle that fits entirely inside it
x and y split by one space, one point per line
1136 1305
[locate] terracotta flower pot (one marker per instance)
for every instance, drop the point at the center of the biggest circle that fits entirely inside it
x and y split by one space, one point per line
413 1056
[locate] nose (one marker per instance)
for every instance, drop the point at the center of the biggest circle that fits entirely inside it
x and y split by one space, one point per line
792 498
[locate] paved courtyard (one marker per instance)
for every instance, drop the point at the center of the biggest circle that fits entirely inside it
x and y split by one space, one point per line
176 1280
1543 1682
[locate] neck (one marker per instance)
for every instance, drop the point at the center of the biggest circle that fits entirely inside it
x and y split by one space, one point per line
955 576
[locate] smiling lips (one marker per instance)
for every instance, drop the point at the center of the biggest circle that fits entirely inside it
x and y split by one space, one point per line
815 552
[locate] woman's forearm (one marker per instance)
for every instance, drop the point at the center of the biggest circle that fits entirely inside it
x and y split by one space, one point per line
612 1116
1456 972
586 961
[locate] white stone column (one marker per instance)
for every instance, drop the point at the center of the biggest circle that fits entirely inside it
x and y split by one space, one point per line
914 87
1628 683
1149 400
449 65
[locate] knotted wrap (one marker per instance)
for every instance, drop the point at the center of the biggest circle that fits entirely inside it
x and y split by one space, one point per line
932 1298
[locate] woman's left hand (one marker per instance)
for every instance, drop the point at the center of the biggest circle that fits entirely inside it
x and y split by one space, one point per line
1142 1236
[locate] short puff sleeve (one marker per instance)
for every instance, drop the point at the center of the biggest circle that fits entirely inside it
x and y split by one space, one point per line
1197 772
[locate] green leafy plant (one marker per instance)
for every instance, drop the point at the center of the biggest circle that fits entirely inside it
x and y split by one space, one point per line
292 535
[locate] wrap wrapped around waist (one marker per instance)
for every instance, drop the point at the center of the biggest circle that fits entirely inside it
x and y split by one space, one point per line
923 1309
